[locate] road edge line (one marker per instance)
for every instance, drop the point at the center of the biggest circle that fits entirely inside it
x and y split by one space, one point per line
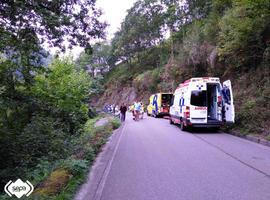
251 138
233 157
100 188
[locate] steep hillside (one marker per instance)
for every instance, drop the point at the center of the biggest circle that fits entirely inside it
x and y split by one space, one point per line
227 39
251 93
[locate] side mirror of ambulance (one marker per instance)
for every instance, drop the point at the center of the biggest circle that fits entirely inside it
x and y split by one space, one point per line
228 101
171 102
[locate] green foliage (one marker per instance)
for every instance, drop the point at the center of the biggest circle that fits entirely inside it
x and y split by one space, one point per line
116 123
241 33
120 74
198 9
148 81
141 29
97 85
88 127
75 166
52 110
42 170
49 135
74 21
41 107
98 59
67 171
63 87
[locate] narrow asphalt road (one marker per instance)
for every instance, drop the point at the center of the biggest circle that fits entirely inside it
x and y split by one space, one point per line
154 160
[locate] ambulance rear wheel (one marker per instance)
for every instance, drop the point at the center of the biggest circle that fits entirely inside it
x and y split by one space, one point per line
215 129
182 126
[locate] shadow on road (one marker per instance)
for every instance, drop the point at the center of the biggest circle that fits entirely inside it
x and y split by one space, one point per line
203 131
194 130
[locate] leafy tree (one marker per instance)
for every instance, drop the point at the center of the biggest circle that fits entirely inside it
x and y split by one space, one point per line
212 28
197 9
40 105
243 33
175 14
27 23
63 87
24 26
99 59
42 120
141 29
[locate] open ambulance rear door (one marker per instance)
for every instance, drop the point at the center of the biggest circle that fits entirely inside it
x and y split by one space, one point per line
228 101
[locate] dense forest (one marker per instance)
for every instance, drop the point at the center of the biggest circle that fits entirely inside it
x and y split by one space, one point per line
162 43
46 124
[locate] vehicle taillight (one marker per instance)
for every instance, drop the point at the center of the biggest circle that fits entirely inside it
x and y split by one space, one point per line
219 101
187 113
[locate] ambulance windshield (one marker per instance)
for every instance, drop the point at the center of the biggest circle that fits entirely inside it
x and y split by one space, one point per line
198 98
166 98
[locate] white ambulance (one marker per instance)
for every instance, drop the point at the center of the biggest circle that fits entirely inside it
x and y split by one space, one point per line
202 102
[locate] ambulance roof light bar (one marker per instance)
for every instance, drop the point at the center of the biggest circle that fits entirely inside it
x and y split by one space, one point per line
211 79
200 79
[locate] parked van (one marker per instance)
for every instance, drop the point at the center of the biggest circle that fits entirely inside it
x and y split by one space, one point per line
202 102
159 104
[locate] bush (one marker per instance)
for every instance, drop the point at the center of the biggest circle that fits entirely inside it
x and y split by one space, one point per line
64 87
59 178
42 120
44 138
241 33
115 123
148 81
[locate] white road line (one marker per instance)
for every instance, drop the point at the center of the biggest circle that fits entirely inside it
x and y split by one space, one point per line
102 183
232 156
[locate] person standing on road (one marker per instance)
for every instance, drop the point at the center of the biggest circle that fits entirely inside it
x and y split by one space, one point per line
137 107
132 109
123 110
113 109
142 110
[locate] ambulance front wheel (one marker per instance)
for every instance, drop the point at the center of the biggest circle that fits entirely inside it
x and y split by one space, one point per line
155 115
171 121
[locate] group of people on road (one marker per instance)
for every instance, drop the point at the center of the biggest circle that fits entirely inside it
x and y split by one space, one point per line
137 109
111 109
116 111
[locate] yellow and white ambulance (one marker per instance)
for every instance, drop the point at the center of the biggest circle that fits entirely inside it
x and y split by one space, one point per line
159 104
202 102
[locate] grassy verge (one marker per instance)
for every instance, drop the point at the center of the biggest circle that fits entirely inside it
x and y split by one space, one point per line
60 180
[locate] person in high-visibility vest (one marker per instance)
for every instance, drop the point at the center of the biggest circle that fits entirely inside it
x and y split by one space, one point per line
137 109
142 110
